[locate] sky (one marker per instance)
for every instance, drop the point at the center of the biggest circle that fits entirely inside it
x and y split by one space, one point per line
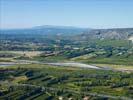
79 13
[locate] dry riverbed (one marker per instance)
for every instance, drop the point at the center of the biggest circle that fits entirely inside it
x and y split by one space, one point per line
122 68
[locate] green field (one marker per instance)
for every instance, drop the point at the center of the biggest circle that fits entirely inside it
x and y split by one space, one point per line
67 82
38 81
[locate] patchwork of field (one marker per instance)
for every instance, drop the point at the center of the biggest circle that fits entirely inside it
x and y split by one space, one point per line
39 82
36 67
24 53
123 68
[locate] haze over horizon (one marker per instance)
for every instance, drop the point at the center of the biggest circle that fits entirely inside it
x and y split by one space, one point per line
87 13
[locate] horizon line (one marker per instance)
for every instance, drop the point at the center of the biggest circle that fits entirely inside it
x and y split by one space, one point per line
32 27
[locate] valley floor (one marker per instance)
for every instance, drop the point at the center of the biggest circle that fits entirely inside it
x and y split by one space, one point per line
35 80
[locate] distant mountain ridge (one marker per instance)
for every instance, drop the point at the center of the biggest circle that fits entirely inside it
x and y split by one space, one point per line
79 33
47 30
117 33
56 26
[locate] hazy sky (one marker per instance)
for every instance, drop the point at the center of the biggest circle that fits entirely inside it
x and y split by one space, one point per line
82 13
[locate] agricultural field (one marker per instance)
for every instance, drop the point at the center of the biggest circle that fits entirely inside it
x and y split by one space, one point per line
36 67
37 81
